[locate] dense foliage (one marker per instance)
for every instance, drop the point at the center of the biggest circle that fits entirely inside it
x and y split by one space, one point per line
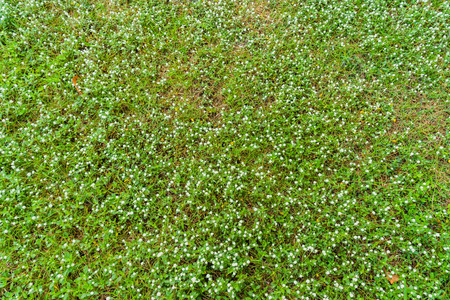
224 149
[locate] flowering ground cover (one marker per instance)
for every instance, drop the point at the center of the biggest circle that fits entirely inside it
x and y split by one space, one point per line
224 149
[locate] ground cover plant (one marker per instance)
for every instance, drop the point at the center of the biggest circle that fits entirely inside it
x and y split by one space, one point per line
224 149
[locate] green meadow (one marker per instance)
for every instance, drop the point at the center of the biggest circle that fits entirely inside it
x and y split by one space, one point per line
223 149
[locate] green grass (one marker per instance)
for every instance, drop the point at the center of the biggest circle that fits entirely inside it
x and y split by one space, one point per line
224 149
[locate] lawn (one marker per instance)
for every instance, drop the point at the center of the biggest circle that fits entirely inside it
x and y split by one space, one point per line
224 149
